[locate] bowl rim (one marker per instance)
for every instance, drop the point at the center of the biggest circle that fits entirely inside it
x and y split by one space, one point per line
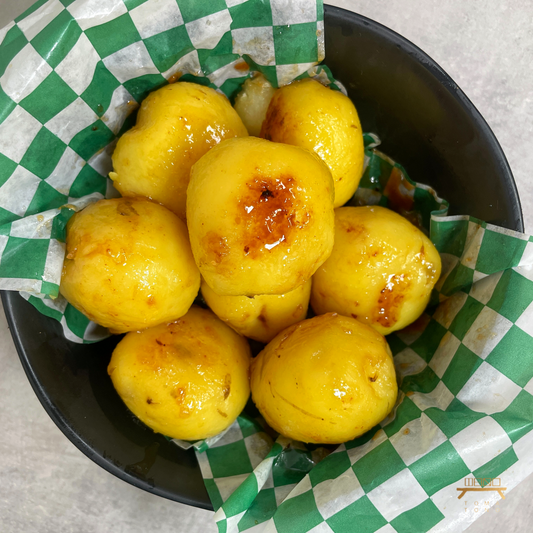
453 89
8 297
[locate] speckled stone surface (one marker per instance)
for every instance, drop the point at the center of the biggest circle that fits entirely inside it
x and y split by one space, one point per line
48 486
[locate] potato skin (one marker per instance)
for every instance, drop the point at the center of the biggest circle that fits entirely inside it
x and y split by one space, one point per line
252 103
305 113
260 216
381 271
262 317
187 379
325 380
128 264
176 125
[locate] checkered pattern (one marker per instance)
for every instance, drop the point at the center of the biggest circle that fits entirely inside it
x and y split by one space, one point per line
465 410
37 242
72 73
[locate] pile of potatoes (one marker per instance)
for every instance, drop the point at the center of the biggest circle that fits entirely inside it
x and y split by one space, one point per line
245 202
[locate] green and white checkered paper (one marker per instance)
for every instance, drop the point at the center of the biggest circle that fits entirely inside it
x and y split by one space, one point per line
72 72
465 411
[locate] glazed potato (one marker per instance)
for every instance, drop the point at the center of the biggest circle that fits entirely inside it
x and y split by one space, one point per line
262 317
307 114
252 103
176 125
128 264
381 271
325 380
187 379
260 216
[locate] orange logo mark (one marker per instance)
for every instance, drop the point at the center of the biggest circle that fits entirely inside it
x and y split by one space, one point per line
482 484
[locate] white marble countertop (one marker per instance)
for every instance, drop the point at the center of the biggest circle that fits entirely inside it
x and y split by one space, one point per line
48 486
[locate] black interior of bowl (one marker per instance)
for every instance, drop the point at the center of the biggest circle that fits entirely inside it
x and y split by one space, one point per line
425 122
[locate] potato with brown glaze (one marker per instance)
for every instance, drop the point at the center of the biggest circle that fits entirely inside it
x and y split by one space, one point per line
187 379
325 380
305 113
381 272
128 264
262 317
176 125
260 216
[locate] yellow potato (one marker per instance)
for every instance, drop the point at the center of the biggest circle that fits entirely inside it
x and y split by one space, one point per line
307 114
325 380
188 379
260 216
252 103
129 264
262 317
381 271
176 125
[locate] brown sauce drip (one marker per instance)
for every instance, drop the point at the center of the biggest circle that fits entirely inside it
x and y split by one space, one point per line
215 246
355 229
126 209
180 395
227 386
241 66
399 192
391 299
175 77
270 212
262 316
274 120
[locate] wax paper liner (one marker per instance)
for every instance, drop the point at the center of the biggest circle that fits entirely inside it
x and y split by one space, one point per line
462 423
71 74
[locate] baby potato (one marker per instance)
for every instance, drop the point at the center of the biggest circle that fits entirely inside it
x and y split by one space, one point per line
381 271
128 264
260 216
176 125
310 115
325 380
252 103
262 317
187 379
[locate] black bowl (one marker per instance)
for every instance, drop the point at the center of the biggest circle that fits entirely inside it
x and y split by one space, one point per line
426 123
